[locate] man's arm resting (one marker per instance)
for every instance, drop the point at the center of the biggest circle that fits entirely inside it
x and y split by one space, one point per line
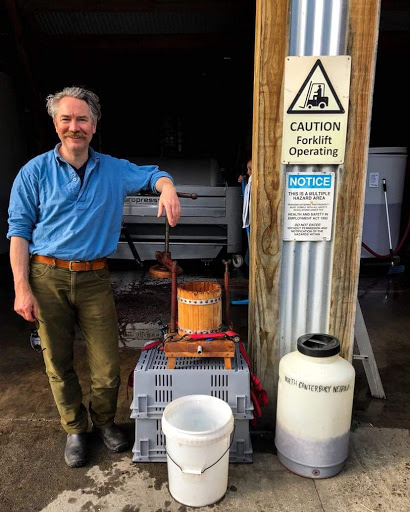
169 200
25 303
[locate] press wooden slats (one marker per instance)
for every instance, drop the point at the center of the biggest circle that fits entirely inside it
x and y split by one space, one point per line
199 307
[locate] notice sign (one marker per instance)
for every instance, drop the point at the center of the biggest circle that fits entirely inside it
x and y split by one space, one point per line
308 206
316 101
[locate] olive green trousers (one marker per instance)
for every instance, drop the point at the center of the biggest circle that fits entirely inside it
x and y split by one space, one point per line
65 298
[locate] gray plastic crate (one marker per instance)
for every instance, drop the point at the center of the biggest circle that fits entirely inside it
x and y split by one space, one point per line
155 385
149 443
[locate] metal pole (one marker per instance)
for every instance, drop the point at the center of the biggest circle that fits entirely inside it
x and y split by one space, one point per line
166 234
318 27
174 304
227 300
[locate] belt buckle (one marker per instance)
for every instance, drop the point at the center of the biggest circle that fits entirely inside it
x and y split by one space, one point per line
70 268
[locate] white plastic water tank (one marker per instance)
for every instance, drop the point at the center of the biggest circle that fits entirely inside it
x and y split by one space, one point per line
390 164
314 410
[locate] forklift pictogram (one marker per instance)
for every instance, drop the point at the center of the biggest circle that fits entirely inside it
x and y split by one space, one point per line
316 96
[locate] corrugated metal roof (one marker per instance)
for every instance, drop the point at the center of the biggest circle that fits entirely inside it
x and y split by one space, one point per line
59 23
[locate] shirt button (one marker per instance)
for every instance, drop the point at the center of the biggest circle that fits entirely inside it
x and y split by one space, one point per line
74 179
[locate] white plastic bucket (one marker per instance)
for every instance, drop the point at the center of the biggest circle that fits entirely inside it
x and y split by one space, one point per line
197 430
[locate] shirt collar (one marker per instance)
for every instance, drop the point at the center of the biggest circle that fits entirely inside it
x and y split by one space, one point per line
92 156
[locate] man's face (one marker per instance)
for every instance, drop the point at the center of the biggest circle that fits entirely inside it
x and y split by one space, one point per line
249 168
74 125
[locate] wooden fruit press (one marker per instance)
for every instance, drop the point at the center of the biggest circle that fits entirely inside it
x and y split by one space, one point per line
195 328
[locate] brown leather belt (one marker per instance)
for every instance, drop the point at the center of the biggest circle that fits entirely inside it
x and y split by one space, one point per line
75 266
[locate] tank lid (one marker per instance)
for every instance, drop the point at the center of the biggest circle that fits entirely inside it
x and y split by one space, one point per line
318 345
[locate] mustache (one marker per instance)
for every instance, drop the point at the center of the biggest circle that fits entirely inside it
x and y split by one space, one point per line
73 135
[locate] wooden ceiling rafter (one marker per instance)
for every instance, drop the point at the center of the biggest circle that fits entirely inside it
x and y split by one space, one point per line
131 5
155 42
31 9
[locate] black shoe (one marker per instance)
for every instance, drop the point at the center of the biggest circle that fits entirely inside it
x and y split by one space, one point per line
113 438
75 453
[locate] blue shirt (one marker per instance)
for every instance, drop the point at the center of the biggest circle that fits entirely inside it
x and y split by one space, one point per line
61 218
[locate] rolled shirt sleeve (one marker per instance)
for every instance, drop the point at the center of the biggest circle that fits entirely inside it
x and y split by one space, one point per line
23 208
141 177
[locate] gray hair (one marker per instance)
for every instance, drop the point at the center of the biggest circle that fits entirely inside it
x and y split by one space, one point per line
79 93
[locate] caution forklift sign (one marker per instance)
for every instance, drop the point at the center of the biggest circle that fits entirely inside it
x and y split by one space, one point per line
316 103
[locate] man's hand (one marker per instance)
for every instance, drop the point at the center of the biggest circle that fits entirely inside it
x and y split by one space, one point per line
169 200
25 304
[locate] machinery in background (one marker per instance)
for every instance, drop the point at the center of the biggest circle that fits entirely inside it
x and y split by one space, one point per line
208 226
388 163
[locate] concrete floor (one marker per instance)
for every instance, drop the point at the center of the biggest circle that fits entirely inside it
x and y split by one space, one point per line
34 477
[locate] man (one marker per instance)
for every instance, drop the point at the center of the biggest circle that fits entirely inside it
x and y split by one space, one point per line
248 171
66 211
246 209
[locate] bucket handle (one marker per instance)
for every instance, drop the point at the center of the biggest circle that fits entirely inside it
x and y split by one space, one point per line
195 471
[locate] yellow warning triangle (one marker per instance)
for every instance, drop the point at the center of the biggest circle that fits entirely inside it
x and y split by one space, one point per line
317 94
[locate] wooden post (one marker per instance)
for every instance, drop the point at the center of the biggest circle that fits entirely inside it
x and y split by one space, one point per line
362 46
271 48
